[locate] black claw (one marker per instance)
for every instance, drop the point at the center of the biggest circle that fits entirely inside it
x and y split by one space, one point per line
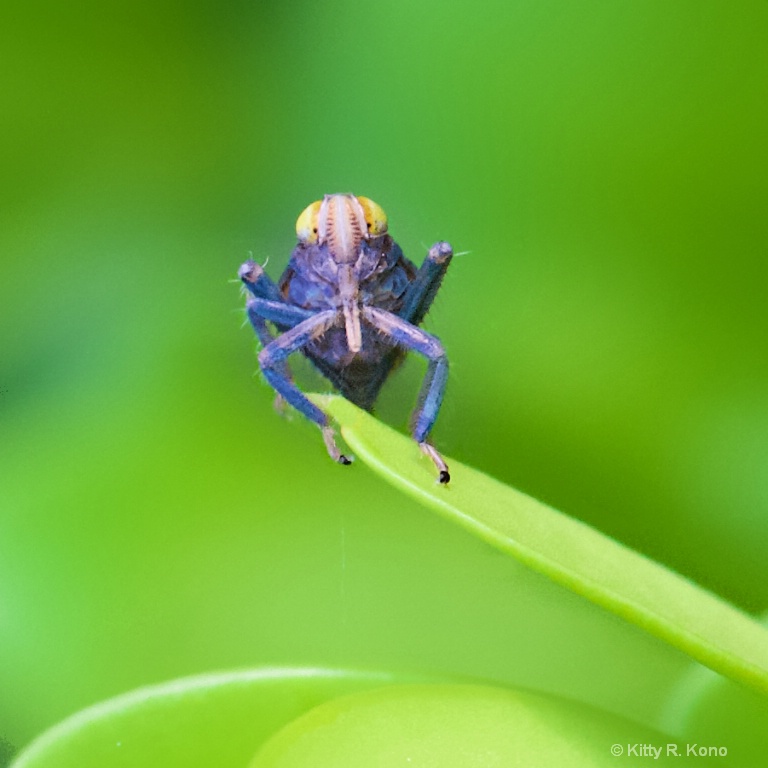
445 477
345 461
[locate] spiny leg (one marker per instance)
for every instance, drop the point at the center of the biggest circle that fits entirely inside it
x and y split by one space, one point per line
286 316
417 300
278 312
265 304
258 283
421 292
272 361
409 336
282 315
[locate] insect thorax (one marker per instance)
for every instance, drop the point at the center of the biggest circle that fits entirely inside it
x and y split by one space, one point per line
311 279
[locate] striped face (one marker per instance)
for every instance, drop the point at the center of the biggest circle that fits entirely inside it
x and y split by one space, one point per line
341 222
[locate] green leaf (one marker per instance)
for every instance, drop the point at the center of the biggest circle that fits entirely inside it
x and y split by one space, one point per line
317 717
708 708
569 552
210 720
460 726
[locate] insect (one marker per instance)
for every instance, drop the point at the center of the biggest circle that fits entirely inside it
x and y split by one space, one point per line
351 302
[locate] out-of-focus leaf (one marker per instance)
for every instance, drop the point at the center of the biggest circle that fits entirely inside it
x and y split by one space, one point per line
458 726
211 720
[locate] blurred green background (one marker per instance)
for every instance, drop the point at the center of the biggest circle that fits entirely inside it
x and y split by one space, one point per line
603 168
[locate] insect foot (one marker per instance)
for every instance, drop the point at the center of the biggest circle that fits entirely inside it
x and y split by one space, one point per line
444 476
440 252
333 450
250 272
351 303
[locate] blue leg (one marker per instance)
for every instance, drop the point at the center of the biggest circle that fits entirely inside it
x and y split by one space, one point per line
265 304
403 334
272 362
417 300
278 312
258 282
421 292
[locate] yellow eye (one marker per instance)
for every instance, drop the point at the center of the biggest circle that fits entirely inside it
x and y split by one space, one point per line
306 224
375 217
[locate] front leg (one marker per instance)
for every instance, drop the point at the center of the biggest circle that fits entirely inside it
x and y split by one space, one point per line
416 302
403 334
258 283
420 294
272 362
277 312
266 304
